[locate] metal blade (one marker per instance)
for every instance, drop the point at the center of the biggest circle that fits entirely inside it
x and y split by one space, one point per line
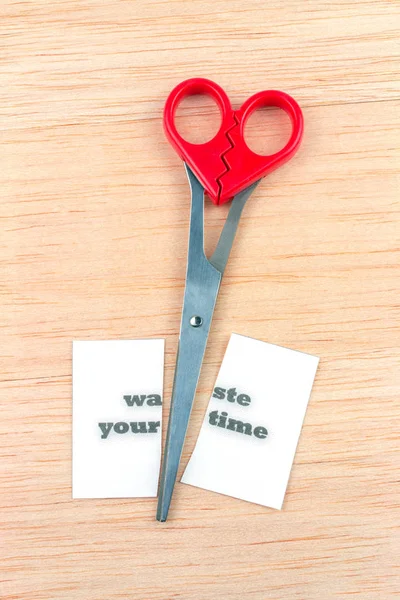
202 285
203 279
224 246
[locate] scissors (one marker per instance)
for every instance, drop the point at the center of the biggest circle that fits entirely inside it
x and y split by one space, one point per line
224 168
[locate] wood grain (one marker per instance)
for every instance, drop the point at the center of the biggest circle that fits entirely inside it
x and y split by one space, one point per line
94 215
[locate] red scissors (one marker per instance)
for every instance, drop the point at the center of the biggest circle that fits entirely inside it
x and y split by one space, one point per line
226 169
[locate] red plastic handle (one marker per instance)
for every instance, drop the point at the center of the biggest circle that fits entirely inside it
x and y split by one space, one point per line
204 159
246 166
225 165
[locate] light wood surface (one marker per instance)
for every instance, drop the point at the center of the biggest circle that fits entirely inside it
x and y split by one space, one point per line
94 217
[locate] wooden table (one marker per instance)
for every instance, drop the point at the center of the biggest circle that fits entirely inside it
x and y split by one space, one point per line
95 211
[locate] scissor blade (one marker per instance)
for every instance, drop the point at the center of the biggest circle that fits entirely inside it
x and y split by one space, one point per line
192 345
202 285
223 249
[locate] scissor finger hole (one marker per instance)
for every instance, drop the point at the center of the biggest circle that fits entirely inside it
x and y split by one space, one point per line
267 130
198 118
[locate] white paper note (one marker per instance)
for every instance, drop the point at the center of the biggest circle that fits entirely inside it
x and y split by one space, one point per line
253 421
117 415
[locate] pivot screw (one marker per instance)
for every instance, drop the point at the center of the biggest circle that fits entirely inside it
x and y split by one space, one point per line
196 321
